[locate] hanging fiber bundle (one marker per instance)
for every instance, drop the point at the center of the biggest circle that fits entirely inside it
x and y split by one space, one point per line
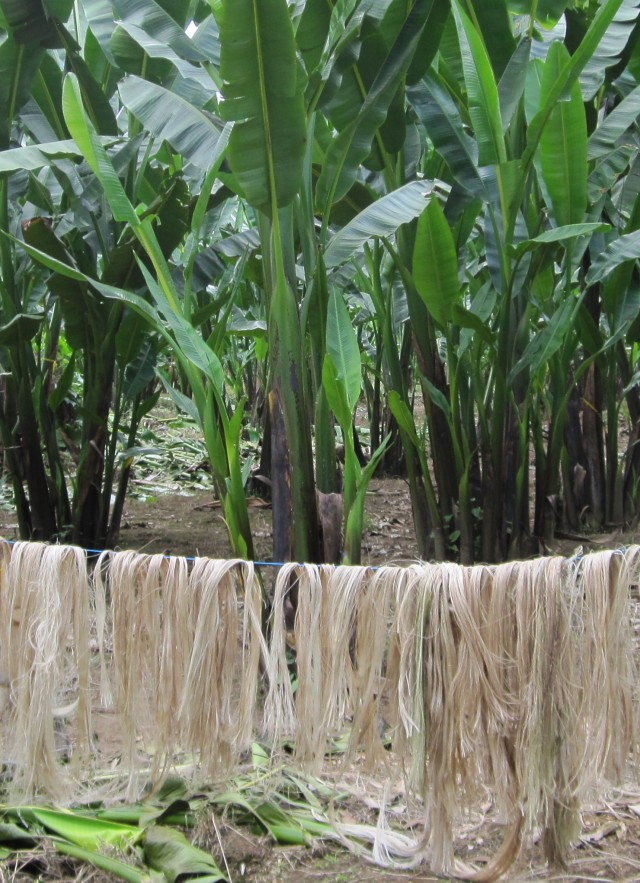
45 659
218 697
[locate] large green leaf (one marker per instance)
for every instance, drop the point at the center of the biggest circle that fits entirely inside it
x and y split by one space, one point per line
187 342
610 48
47 94
194 133
136 51
85 832
435 263
18 67
37 156
624 248
353 144
87 140
336 393
262 92
20 329
168 851
112 866
96 103
494 23
158 24
482 90
622 117
568 75
99 15
34 21
547 12
382 218
561 234
563 145
438 113
312 31
207 39
83 313
513 81
355 85
342 346
545 343
429 41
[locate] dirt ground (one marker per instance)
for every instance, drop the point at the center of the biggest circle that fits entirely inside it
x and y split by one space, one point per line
194 525
609 848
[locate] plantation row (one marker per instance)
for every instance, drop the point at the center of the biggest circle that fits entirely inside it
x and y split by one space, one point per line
279 212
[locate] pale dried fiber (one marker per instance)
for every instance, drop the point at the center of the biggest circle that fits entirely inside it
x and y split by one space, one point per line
310 637
372 623
46 654
515 681
6 626
220 686
136 601
279 721
343 586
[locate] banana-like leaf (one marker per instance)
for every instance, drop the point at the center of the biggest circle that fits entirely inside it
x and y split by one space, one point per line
263 96
85 832
158 24
312 31
482 90
547 12
568 75
187 405
96 103
494 24
336 393
561 234
38 156
87 140
438 113
342 346
207 40
149 48
357 81
512 82
435 263
624 248
353 144
381 27
33 22
429 41
83 313
614 125
131 58
610 48
545 343
563 145
194 133
46 91
18 67
99 15
187 343
381 219
168 851
113 866
20 329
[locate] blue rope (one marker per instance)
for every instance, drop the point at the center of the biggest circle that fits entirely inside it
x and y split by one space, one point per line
185 557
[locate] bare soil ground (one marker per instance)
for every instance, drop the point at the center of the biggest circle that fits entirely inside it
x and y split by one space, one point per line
609 848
